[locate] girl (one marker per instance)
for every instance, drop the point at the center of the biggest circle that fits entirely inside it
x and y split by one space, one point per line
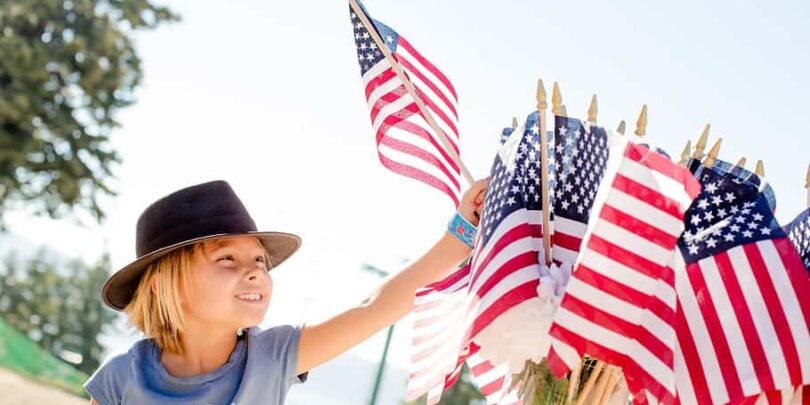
202 282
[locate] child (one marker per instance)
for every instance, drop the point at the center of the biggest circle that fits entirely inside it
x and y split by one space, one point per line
202 282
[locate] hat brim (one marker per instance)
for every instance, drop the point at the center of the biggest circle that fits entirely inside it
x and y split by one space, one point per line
118 290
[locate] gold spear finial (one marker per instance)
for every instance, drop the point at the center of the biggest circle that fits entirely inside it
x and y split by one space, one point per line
541 95
687 151
514 122
556 101
593 110
711 157
641 124
760 169
741 163
701 143
621 127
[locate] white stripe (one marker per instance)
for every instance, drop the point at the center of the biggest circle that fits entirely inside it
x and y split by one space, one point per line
759 313
656 181
383 89
565 352
790 304
683 381
564 255
393 108
645 212
517 278
375 71
730 325
632 242
618 272
699 333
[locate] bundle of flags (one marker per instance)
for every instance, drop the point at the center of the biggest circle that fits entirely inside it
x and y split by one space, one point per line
681 276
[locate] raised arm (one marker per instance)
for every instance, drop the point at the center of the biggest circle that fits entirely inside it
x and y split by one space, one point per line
392 300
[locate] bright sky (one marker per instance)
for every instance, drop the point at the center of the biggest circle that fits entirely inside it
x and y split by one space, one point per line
267 95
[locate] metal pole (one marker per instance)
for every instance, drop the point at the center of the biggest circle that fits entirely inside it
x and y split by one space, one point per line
381 368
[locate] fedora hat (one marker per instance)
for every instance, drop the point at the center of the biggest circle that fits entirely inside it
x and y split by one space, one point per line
191 215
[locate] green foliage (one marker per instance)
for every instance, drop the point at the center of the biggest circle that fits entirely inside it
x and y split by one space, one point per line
463 392
66 68
59 308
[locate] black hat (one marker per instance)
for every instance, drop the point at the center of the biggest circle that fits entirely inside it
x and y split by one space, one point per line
191 215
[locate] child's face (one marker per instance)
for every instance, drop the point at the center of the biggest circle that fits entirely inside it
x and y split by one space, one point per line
230 283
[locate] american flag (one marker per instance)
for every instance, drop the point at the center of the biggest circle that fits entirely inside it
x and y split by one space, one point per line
505 266
438 348
620 303
742 319
799 233
580 156
406 143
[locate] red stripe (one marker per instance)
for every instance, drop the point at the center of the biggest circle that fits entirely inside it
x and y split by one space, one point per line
620 326
414 173
377 81
429 103
775 309
661 164
424 134
648 195
411 69
556 364
626 293
715 328
746 322
520 231
419 153
388 98
504 303
638 227
692 360
492 387
566 241
637 378
427 64
629 259
445 283
794 265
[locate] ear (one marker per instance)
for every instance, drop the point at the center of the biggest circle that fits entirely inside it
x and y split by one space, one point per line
153 285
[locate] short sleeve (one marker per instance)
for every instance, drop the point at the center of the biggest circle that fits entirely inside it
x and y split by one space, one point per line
281 344
106 385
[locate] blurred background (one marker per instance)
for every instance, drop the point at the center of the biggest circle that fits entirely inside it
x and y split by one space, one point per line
108 105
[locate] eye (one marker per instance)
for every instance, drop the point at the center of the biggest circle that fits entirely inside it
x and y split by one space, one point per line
226 258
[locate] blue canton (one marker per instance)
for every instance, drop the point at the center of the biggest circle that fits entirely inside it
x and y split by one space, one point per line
729 212
580 157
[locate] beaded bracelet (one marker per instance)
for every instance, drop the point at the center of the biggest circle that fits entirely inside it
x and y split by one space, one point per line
462 229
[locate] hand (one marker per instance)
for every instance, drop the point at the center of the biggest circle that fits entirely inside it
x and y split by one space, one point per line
472 202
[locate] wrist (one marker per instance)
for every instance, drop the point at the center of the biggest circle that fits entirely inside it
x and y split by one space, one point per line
461 228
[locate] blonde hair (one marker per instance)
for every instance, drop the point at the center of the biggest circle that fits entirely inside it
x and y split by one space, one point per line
155 308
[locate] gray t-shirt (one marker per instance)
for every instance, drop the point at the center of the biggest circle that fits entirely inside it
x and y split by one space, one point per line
261 370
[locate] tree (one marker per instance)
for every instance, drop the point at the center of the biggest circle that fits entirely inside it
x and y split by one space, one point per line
58 306
67 68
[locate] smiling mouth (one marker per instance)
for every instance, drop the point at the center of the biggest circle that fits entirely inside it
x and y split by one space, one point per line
250 297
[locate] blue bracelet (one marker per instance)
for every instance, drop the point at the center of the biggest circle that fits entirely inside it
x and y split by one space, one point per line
462 229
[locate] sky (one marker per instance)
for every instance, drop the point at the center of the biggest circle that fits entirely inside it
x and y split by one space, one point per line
268 96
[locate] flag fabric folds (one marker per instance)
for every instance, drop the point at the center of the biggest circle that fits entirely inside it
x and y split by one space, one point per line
406 143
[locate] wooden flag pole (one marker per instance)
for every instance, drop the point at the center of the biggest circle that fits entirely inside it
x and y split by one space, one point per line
583 395
807 185
514 123
741 163
542 106
641 124
573 383
409 87
621 127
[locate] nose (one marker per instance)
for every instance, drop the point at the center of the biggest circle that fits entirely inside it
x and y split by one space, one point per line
253 272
